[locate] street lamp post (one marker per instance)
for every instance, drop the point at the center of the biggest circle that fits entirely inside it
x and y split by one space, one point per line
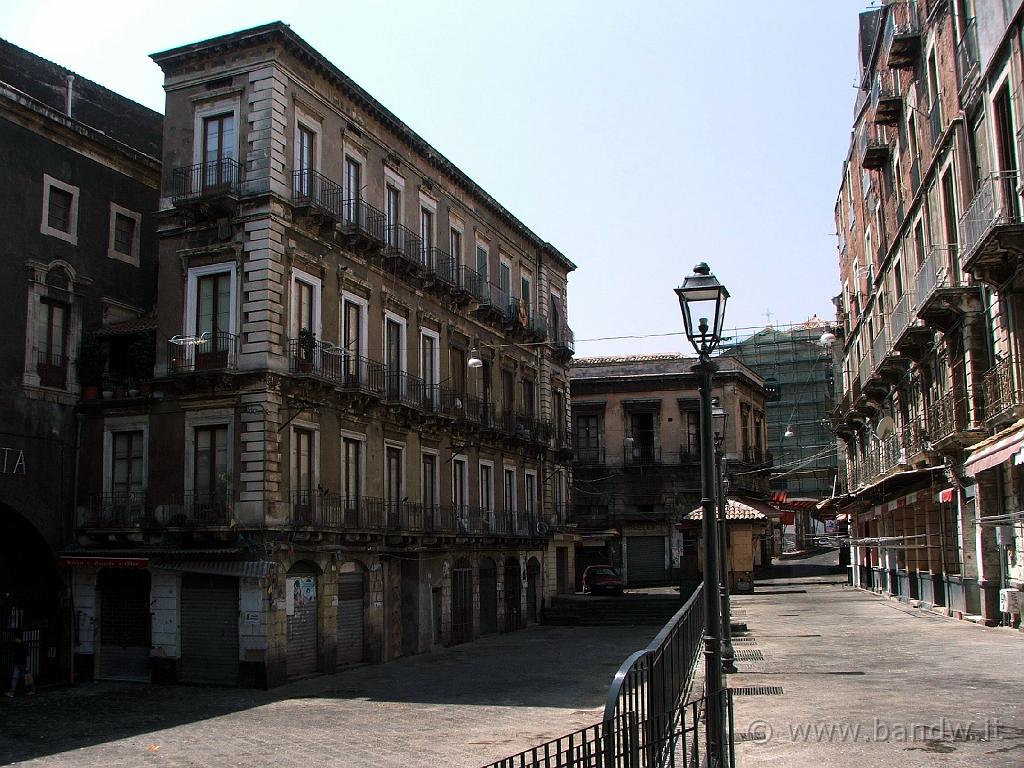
721 419
701 297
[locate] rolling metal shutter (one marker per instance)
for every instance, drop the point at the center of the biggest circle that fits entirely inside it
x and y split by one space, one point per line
488 598
350 618
209 629
125 625
462 604
302 627
645 560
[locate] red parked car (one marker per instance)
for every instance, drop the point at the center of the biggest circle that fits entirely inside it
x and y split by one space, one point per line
602 578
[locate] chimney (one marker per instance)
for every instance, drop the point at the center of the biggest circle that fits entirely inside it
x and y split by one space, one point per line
68 94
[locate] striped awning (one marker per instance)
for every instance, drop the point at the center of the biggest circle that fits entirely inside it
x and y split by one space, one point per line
249 569
995 452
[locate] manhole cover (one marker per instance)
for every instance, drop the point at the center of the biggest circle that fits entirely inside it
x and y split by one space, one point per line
758 690
749 655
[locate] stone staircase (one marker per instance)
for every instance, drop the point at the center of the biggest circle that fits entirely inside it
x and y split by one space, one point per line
619 610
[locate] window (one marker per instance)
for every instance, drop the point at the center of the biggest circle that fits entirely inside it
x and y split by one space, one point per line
897 280
353 339
455 245
305 162
481 262
428 482
486 489
427 236
352 470
302 308
394 357
530 502
642 437
211 481
353 190
218 151
430 363
127 472
60 210
528 404
486 396
457 368
392 213
525 287
459 473
124 235
509 490
558 493
561 427
213 315
588 438
508 391
745 429
505 279
51 343
394 483
303 471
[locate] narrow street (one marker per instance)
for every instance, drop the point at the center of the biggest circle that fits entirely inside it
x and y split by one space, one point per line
460 708
861 680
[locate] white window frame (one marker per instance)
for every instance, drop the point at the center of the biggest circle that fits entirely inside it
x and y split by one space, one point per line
426 332
361 439
212 109
192 295
505 469
402 493
364 321
132 257
71 236
298 276
293 452
480 476
404 338
207 418
437 474
112 425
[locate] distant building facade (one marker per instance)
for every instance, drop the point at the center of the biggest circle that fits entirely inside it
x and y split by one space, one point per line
928 383
81 169
355 444
636 436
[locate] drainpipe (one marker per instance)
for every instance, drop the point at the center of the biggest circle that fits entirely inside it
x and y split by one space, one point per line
69 93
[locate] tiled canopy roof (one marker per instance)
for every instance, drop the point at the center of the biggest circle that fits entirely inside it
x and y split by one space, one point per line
734 510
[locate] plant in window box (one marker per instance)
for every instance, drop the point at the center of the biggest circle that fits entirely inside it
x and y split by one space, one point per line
89 366
307 343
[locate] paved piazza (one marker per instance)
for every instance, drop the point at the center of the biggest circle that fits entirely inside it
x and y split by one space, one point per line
461 707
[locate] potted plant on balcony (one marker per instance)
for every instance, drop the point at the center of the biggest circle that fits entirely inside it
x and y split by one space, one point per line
307 342
89 366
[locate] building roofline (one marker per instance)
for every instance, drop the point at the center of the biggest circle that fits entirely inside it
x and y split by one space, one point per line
282 32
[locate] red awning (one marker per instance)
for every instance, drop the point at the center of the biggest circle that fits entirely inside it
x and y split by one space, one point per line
946 495
995 453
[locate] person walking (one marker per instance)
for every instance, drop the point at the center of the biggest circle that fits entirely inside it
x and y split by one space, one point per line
21 668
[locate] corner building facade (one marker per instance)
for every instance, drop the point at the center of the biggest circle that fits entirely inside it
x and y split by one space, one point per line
357 447
929 236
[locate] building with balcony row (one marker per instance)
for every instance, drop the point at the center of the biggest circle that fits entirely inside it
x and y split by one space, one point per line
636 435
81 173
929 371
343 434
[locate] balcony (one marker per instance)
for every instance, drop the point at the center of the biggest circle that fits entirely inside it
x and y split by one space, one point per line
214 184
52 368
967 56
208 352
317 195
526 427
362 225
403 250
492 303
523 321
935 121
874 147
200 509
441 269
636 454
948 420
886 99
756 456
942 294
1003 393
563 340
308 356
116 510
588 456
991 230
901 43
401 388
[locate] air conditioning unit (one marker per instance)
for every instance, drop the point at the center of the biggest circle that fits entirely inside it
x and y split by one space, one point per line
1011 600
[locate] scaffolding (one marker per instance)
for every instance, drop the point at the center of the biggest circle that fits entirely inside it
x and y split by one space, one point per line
799 393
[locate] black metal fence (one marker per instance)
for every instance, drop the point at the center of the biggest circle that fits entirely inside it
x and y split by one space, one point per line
625 741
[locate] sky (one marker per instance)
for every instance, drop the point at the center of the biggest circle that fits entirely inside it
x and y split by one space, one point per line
639 138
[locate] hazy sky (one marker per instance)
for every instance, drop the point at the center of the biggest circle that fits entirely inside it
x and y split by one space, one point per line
638 137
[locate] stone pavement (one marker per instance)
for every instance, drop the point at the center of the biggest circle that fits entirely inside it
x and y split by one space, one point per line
461 707
867 681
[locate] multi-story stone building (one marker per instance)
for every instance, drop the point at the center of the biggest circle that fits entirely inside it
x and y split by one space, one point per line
80 168
929 375
356 445
636 428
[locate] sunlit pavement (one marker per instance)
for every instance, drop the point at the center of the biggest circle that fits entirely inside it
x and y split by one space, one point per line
867 681
464 706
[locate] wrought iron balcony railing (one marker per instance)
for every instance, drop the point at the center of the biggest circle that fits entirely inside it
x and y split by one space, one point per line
563 338
203 180
200 509
635 453
902 38
996 203
947 415
886 99
406 389
902 315
117 509
403 244
588 455
1002 388
52 368
311 188
359 218
967 54
940 269
216 352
